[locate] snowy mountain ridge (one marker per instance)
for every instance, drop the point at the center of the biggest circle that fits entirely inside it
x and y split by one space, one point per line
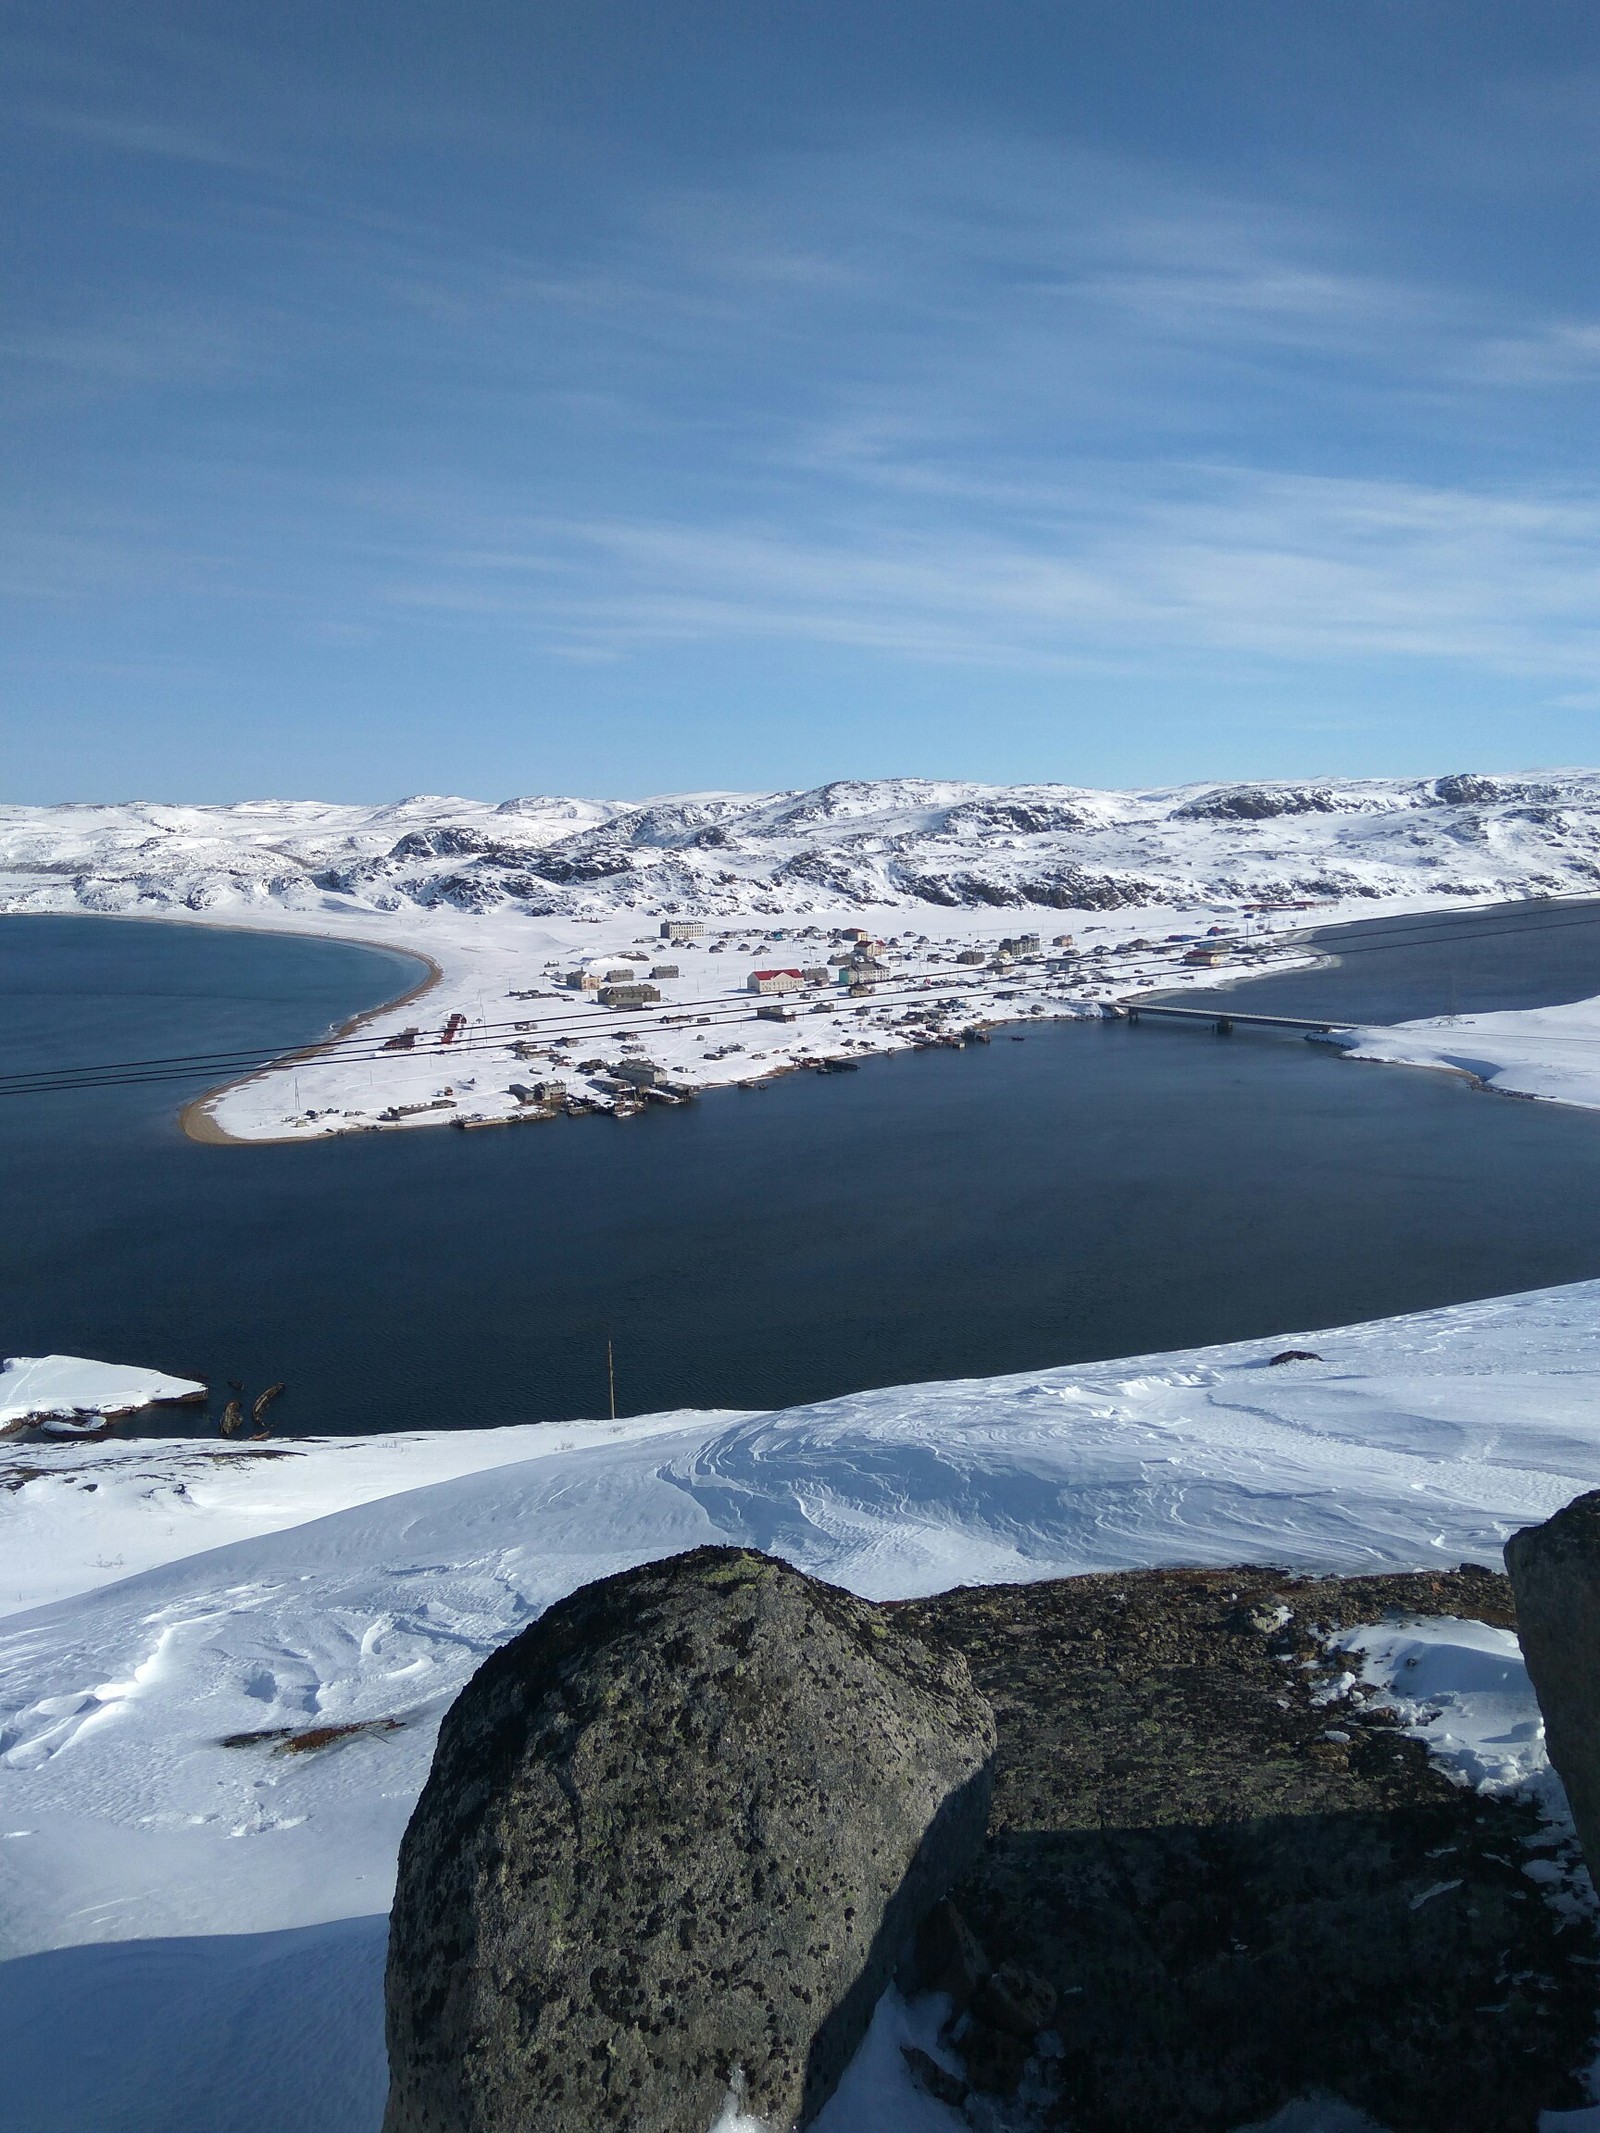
884 843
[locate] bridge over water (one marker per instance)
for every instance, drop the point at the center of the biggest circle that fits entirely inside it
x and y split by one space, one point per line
1225 1020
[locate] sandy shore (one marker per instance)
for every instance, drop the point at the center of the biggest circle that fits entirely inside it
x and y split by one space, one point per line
197 1119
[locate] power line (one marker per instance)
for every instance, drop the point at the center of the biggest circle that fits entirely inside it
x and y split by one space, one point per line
489 1038
722 1010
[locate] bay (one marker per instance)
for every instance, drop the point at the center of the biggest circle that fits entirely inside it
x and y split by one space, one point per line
1092 1191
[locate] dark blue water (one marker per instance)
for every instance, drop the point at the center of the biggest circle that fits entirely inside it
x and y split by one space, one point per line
1094 1191
1442 963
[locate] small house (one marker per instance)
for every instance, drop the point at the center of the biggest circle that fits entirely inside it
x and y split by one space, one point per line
539 1092
629 995
1208 956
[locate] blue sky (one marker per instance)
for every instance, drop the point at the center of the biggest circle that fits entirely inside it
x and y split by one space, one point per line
620 399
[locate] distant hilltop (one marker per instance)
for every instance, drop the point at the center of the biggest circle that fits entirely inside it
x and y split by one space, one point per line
869 842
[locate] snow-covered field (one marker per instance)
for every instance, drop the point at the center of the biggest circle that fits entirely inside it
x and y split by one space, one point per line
507 898
223 1668
75 1392
1548 1052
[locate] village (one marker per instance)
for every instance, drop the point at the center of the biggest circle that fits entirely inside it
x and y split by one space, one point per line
658 1021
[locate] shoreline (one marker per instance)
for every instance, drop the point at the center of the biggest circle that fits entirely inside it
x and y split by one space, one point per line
454 970
195 1119
199 1123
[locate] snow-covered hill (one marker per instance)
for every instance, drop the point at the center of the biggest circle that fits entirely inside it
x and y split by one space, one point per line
213 1732
504 898
896 843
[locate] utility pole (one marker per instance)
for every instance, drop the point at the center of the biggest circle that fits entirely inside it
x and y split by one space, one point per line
611 1374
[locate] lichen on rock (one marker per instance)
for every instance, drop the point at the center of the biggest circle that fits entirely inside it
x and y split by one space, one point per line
675 1838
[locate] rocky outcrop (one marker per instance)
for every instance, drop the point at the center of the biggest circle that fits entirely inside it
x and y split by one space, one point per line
1555 1573
1241 1886
1463 789
1257 803
675 1838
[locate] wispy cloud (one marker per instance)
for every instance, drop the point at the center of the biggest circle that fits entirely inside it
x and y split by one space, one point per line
132 350
1550 352
163 140
974 402
1257 565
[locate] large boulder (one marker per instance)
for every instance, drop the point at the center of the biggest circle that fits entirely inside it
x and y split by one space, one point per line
675 1837
1555 1575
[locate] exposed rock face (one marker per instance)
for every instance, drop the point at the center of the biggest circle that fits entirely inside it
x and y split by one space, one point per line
1241 1888
1463 789
1555 1573
893 842
1257 803
675 1837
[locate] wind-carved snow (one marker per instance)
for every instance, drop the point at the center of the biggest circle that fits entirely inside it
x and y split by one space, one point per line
209 1762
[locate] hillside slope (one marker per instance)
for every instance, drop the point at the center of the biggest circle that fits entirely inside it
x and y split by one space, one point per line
888 842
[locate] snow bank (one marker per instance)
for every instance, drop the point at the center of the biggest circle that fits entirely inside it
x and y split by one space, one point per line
1462 1688
222 1749
1550 1052
217 2033
69 1388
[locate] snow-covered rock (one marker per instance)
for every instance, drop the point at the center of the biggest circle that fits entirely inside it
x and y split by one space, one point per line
208 1752
73 1391
891 843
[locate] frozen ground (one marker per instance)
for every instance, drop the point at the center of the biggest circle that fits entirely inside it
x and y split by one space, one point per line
212 1733
506 897
73 1391
1550 1052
